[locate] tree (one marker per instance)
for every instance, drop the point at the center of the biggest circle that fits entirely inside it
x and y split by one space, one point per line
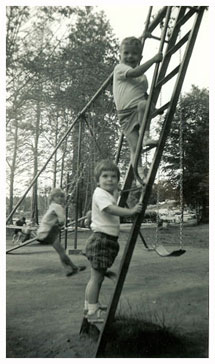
85 62
49 82
193 111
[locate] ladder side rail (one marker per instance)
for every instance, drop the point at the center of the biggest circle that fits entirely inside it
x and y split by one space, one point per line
167 55
124 265
173 103
156 21
144 35
120 143
127 185
181 19
148 106
145 195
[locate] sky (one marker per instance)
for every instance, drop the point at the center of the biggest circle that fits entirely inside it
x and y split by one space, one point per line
131 22
126 20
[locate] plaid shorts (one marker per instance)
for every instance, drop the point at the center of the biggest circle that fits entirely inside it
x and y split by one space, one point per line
101 250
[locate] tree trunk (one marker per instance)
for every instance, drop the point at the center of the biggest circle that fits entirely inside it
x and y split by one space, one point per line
55 156
12 169
34 204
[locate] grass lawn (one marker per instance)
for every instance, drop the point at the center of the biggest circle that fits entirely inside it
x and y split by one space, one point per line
162 312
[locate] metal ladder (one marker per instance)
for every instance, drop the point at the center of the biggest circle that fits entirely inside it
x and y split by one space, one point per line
160 77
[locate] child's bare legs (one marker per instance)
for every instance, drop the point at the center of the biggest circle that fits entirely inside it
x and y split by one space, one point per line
132 139
94 285
141 110
92 293
69 266
19 235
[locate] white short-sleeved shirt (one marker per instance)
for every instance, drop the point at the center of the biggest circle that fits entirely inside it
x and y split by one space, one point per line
101 220
53 216
127 91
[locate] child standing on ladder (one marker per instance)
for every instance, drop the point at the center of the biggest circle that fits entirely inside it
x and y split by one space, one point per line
49 229
130 94
102 246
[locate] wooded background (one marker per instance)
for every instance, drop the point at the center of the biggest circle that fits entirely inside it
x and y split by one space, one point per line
57 58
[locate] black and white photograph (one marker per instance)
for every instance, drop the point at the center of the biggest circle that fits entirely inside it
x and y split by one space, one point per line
107 114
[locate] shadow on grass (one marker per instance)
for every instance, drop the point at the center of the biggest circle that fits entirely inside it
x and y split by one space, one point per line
133 338
139 339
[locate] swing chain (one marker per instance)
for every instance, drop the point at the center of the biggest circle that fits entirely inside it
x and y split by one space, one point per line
158 194
181 165
157 212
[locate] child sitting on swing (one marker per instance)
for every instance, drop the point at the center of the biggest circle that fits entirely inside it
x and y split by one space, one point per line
130 94
102 246
50 226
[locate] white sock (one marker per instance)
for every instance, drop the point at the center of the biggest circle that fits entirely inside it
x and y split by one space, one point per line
92 307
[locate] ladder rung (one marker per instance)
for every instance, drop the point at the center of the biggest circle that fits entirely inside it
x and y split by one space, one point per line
178 45
149 35
160 110
168 77
185 18
195 8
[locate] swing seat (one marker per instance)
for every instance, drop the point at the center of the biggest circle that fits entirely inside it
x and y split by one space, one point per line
160 250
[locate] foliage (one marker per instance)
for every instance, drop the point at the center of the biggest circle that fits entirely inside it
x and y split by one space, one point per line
193 111
57 58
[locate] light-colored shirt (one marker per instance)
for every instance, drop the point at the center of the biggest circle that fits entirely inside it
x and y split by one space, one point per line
127 91
54 216
101 220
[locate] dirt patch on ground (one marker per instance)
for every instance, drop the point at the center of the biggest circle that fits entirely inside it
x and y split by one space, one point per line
44 308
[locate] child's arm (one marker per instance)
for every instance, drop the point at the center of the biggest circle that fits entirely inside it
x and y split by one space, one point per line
59 211
123 211
139 70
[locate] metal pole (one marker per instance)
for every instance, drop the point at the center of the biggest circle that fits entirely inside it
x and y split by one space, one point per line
66 210
77 190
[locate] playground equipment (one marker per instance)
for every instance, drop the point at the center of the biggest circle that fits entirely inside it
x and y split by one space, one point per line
160 77
32 233
168 45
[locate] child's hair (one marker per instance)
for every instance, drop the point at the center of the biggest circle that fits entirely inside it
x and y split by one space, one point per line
133 41
105 165
55 192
